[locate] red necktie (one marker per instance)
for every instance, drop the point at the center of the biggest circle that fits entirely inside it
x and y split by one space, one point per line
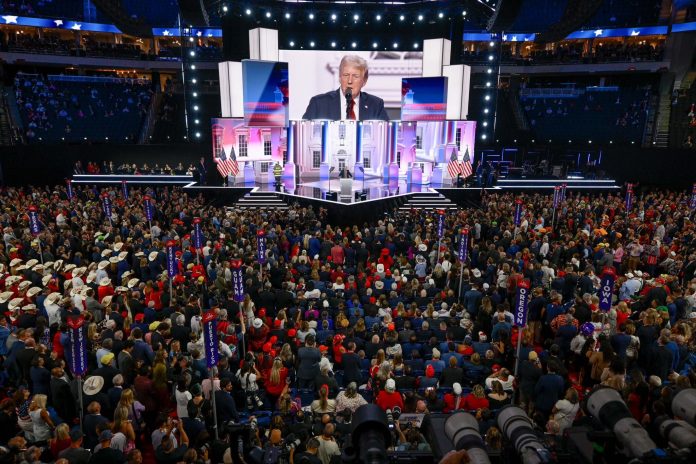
351 110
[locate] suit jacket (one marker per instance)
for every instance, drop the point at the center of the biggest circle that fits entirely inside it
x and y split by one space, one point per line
328 106
63 400
226 409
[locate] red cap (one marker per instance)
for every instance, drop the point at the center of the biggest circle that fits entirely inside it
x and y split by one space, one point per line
262 312
273 340
430 371
139 317
323 348
496 367
276 323
267 347
390 326
292 333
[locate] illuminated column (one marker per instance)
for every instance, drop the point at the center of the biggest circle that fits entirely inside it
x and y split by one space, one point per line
324 169
358 169
291 147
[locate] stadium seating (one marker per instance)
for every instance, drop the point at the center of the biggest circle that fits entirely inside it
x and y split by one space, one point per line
80 108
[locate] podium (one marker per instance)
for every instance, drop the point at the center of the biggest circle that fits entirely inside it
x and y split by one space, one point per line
346 187
249 174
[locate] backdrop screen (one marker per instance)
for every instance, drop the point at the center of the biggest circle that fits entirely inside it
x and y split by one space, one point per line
266 93
424 99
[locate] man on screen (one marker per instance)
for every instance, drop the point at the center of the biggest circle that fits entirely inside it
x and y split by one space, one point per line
348 102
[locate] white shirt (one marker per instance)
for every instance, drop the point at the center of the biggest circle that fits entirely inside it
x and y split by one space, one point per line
344 105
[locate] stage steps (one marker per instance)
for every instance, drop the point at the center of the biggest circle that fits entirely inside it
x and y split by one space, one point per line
261 200
428 201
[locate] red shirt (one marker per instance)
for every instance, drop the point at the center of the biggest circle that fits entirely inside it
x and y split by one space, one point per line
386 400
472 403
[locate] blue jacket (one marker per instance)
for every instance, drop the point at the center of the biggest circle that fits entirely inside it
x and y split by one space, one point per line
328 106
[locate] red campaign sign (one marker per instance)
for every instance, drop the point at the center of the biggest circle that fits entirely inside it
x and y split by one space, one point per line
236 263
208 316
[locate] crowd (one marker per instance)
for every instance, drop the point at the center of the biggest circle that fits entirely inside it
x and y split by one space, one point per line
55 109
109 167
334 318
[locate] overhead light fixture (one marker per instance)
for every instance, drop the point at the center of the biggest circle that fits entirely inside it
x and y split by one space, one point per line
356 17
268 14
311 44
420 17
378 17
311 15
333 44
415 45
395 44
374 44
248 11
354 45
224 8
440 15
292 44
287 15
333 16
402 17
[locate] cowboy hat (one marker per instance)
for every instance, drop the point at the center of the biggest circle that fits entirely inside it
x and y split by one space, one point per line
106 252
29 307
121 289
70 267
139 254
32 262
133 282
91 277
15 262
106 301
57 265
114 260
105 282
33 291
102 265
4 296
258 323
122 255
152 256
21 267
12 279
379 285
118 246
46 279
52 298
25 284
126 274
14 303
93 385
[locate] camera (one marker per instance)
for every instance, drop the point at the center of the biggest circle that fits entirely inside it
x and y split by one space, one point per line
292 441
392 416
463 430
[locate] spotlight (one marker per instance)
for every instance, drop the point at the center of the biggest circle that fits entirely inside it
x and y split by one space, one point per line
195 107
311 44
193 66
415 45
464 13
402 17
195 94
193 53
248 11
356 17
485 123
333 44
198 134
483 136
490 57
287 15
611 141
268 14
488 97
488 84
311 15
485 110
440 15
292 44
589 141
374 44
354 45
491 44
420 17
224 8
395 45
378 17
333 17
193 81
197 121
489 71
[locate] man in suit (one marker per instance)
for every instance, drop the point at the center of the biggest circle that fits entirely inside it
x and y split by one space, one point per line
348 102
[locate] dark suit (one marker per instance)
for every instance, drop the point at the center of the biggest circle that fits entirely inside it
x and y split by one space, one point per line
226 409
63 400
328 106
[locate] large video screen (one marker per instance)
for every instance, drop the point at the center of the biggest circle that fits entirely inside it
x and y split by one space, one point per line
316 72
233 139
424 99
266 93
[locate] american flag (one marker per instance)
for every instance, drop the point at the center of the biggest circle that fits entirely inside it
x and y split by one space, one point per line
454 167
227 165
466 164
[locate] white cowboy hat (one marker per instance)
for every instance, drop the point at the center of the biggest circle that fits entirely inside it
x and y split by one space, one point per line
103 264
12 279
139 254
118 246
46 279
69 267
32 262
258 323
52 298
122 255
105 282
152 256
380 267
4 296
91 277
21 267
33 291
379 285
15 303
29 307
78 271
106 252
48 264
126 274
24 285
133 282
58 264
114 260
93 385
121 289
106 301
15 262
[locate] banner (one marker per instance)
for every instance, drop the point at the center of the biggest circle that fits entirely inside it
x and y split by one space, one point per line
261 246
564 187
464 245
441 224
70 191
210 338
124 188
106 204
34 225
172 268
629 197
78 345
197 234
147 206
556 196
606 289
237 280
521 303
518 212
692 202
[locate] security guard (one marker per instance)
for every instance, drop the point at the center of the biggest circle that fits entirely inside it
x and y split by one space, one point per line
277 172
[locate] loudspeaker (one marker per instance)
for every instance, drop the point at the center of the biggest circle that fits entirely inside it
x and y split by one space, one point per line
504 15
332 196
193 12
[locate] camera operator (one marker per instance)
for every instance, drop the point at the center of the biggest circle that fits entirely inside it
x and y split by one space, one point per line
411 439
327 444
309 456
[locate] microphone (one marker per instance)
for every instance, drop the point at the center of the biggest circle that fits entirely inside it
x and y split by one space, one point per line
349 99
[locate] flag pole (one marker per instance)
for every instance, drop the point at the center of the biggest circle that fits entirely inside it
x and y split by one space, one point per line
212 401
80 400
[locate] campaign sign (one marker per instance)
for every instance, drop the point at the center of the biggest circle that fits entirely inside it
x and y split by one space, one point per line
606 290
197 234
237 280
261 246
147 205
34 225
518 212
172 269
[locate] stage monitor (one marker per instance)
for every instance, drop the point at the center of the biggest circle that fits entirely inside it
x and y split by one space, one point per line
424 99
234 140
266 93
